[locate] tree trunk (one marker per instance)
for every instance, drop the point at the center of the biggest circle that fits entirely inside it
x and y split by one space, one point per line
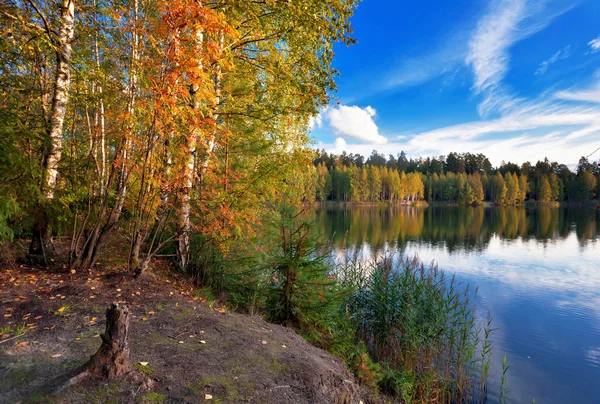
109 217
40 243
183 241
112 359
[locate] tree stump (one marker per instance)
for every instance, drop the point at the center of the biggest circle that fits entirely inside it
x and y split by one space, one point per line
112 359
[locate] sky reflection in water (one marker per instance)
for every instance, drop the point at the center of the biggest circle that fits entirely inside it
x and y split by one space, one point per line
538 272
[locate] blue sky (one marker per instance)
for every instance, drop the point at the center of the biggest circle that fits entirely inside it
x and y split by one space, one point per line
516 80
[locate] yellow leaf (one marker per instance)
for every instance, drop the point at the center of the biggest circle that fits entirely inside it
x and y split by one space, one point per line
61 309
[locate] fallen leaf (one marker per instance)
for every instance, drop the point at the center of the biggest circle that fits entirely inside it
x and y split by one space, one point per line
283 346
57 355
208 397
61 309
144 363
77 339
151 312
264 342
145 319
181 342
138 293
203 342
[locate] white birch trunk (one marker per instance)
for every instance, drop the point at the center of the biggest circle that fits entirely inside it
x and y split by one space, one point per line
60 98
183 248
100 120
211 141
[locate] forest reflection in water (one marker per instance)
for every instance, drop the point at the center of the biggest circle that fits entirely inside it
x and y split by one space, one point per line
457 228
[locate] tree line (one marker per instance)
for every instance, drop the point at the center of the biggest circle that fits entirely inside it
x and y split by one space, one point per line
458 178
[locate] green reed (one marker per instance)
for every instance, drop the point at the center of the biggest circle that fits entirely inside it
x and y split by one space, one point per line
420 327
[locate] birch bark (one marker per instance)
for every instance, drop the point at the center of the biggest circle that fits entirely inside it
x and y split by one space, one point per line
40 242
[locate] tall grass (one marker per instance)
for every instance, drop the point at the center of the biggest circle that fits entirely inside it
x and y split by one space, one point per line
420 327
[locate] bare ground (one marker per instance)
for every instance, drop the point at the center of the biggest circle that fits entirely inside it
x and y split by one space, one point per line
51 320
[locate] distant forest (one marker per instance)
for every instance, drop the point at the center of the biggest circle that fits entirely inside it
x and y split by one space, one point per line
462 178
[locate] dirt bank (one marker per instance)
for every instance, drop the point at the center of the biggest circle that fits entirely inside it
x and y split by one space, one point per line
51 320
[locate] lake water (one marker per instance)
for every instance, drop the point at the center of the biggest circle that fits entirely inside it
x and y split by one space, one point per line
538 272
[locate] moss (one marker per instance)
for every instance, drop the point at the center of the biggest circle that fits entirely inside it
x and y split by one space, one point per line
188 345
40 399
102 394
235 390
13 378
185 314
144 369
150 398
272 365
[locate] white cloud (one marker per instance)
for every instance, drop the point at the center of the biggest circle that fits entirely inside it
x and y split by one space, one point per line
586 95
488 48
355 122
340 145
315 122
506 23
442 60
559 55
559 130
595 44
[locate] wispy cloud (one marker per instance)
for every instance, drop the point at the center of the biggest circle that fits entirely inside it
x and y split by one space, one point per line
592 95
506 23
595 44
442 60
562 54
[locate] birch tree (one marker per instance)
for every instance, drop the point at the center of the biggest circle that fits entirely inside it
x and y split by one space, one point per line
40 243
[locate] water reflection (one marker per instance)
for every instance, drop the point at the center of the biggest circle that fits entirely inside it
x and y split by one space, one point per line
458 228
538 273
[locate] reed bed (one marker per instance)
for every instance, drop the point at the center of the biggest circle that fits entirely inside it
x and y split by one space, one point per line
420 329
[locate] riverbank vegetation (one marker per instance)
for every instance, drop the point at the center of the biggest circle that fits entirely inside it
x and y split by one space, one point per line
464 179
403 328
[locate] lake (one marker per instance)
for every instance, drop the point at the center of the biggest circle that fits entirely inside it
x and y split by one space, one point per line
538 272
